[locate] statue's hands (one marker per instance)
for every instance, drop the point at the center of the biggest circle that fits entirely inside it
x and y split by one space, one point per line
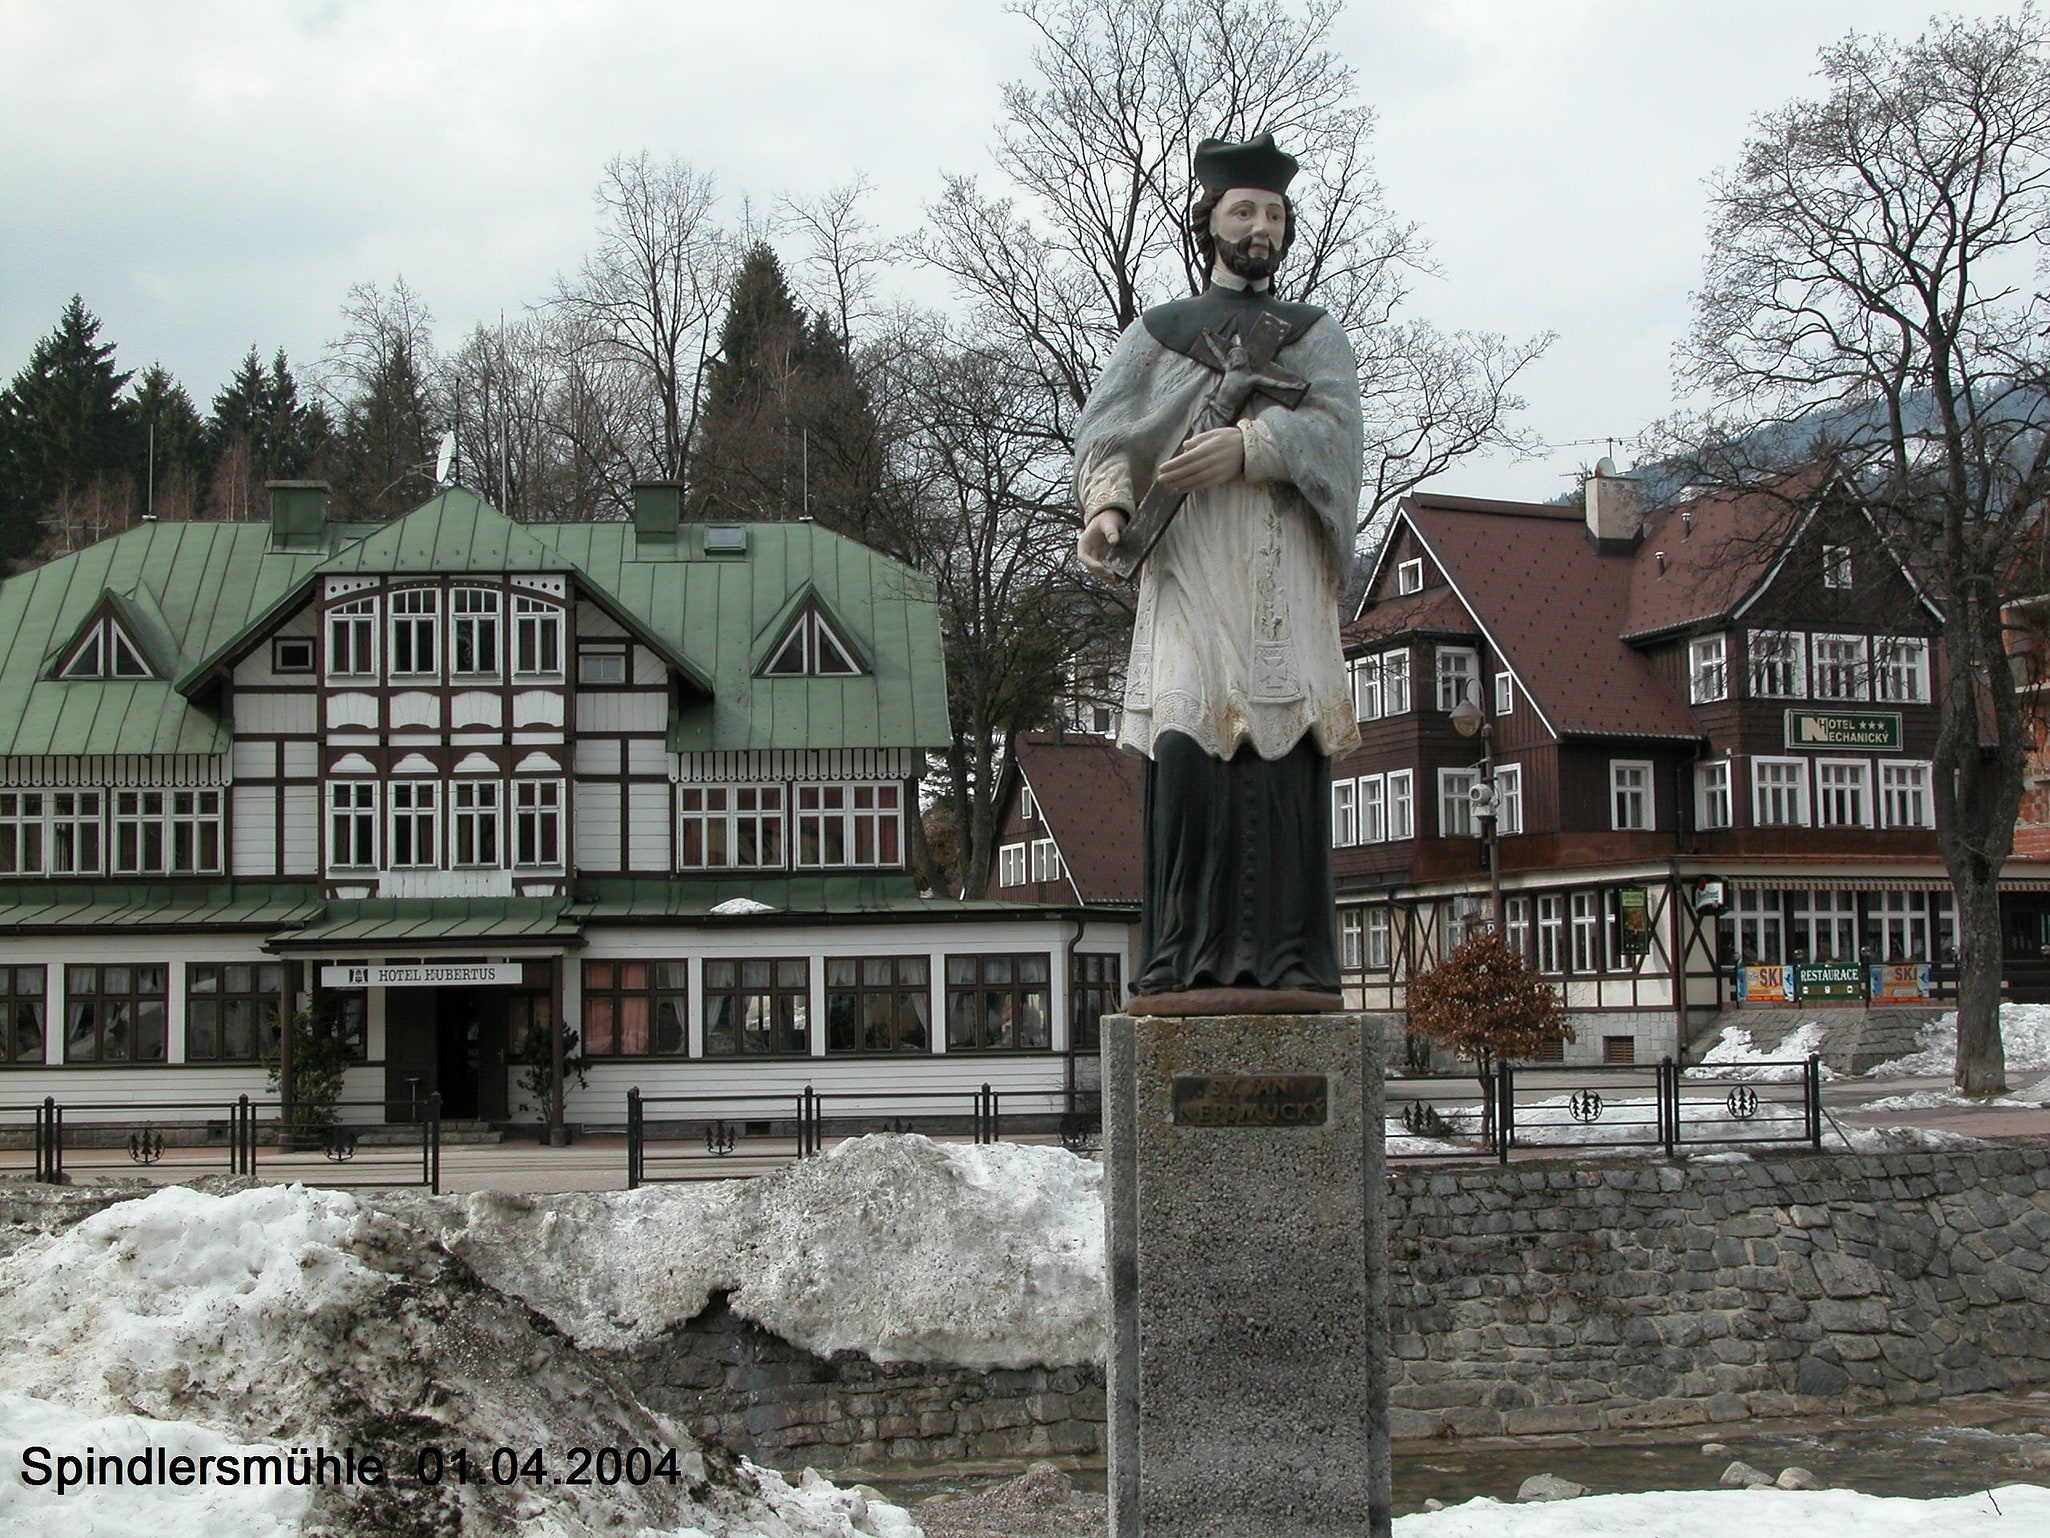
1207 459
1092 545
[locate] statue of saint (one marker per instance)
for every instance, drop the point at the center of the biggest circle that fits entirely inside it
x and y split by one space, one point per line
1234 419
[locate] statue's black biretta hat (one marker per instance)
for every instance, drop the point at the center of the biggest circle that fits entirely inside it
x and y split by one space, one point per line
1221 165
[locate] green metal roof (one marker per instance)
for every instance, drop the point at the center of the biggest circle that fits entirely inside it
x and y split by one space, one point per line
414 920
199 595
50 905
801 898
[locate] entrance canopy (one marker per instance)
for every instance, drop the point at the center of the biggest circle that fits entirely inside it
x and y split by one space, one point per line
380 924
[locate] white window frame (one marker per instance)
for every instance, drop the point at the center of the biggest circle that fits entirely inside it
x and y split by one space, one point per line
733 822
357 801
1912 779
476 824
1409 576
1455 803
839 817
1045 858
1551 933
412 834
1508 799
413 626
1028 808
1458 676
1010 865
603 664
1708 669
475 623
1900 669
537 637
1838 780
55 832
351 627
1505 693
1836 566
1623 794
1380 940
537 825
1373 808
1825 676
105 651
1352 940
1345 824
1586 933
1366 688
1764 786
1713 807
1395 697
1401 804
1773 652
1516 924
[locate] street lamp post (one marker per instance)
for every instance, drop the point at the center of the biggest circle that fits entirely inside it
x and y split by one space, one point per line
1469 720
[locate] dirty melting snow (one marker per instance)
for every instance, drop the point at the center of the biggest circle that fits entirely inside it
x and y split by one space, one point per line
295 1317
2024 1037
898 1247
2009 1512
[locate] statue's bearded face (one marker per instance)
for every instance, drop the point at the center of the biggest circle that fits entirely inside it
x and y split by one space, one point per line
1250 227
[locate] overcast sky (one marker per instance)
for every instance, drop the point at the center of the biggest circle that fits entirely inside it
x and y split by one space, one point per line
212 174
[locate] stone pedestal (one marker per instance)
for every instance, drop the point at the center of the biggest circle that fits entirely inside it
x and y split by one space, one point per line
1247 1377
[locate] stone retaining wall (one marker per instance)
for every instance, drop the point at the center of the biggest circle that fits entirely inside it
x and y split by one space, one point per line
1563 1296
724 1377
1579 1297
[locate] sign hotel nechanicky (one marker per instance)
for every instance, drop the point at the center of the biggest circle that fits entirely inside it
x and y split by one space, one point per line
1880 729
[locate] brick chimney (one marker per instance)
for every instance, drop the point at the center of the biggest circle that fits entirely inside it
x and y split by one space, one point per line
1615 509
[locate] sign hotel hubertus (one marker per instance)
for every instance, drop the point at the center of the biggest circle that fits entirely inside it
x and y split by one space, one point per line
472 974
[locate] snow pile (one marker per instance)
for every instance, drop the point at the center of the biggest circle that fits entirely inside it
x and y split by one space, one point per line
2009 1512
1736 1057
310 1318
163 1511
2024 1035
898 1247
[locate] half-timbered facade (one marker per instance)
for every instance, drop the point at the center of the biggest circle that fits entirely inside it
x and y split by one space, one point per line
450 779
1705 752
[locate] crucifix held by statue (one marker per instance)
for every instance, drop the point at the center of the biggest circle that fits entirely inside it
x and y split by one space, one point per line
1218 458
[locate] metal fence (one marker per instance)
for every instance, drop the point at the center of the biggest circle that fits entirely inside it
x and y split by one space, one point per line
317 1144
178 1139
1662 1106
697 1137
174 1138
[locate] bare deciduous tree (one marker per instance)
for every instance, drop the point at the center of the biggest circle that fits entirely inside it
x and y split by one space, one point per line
645 303
1098 147
1870 305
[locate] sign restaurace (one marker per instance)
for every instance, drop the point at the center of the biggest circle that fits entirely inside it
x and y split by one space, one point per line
1879 729
451 975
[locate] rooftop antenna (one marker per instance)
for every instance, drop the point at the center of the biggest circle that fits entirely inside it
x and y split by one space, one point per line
445 460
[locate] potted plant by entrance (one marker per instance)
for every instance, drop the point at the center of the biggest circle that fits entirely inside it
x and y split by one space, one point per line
320 1061
537 1076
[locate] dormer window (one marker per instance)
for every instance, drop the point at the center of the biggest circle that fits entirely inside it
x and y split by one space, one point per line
1409 577
105 652
811 648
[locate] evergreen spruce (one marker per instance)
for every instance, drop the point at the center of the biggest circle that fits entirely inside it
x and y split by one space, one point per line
66 449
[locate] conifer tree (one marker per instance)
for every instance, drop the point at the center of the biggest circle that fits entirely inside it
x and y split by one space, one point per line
166 427
63 438
787 427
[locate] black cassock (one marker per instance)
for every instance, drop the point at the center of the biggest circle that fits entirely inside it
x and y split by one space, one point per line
1237 870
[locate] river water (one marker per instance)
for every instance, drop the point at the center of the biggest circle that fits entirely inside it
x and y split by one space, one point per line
1954 1448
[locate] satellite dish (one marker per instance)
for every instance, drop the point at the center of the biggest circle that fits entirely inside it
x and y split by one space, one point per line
445 460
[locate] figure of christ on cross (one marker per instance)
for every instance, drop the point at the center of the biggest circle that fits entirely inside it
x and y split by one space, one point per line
1219 457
